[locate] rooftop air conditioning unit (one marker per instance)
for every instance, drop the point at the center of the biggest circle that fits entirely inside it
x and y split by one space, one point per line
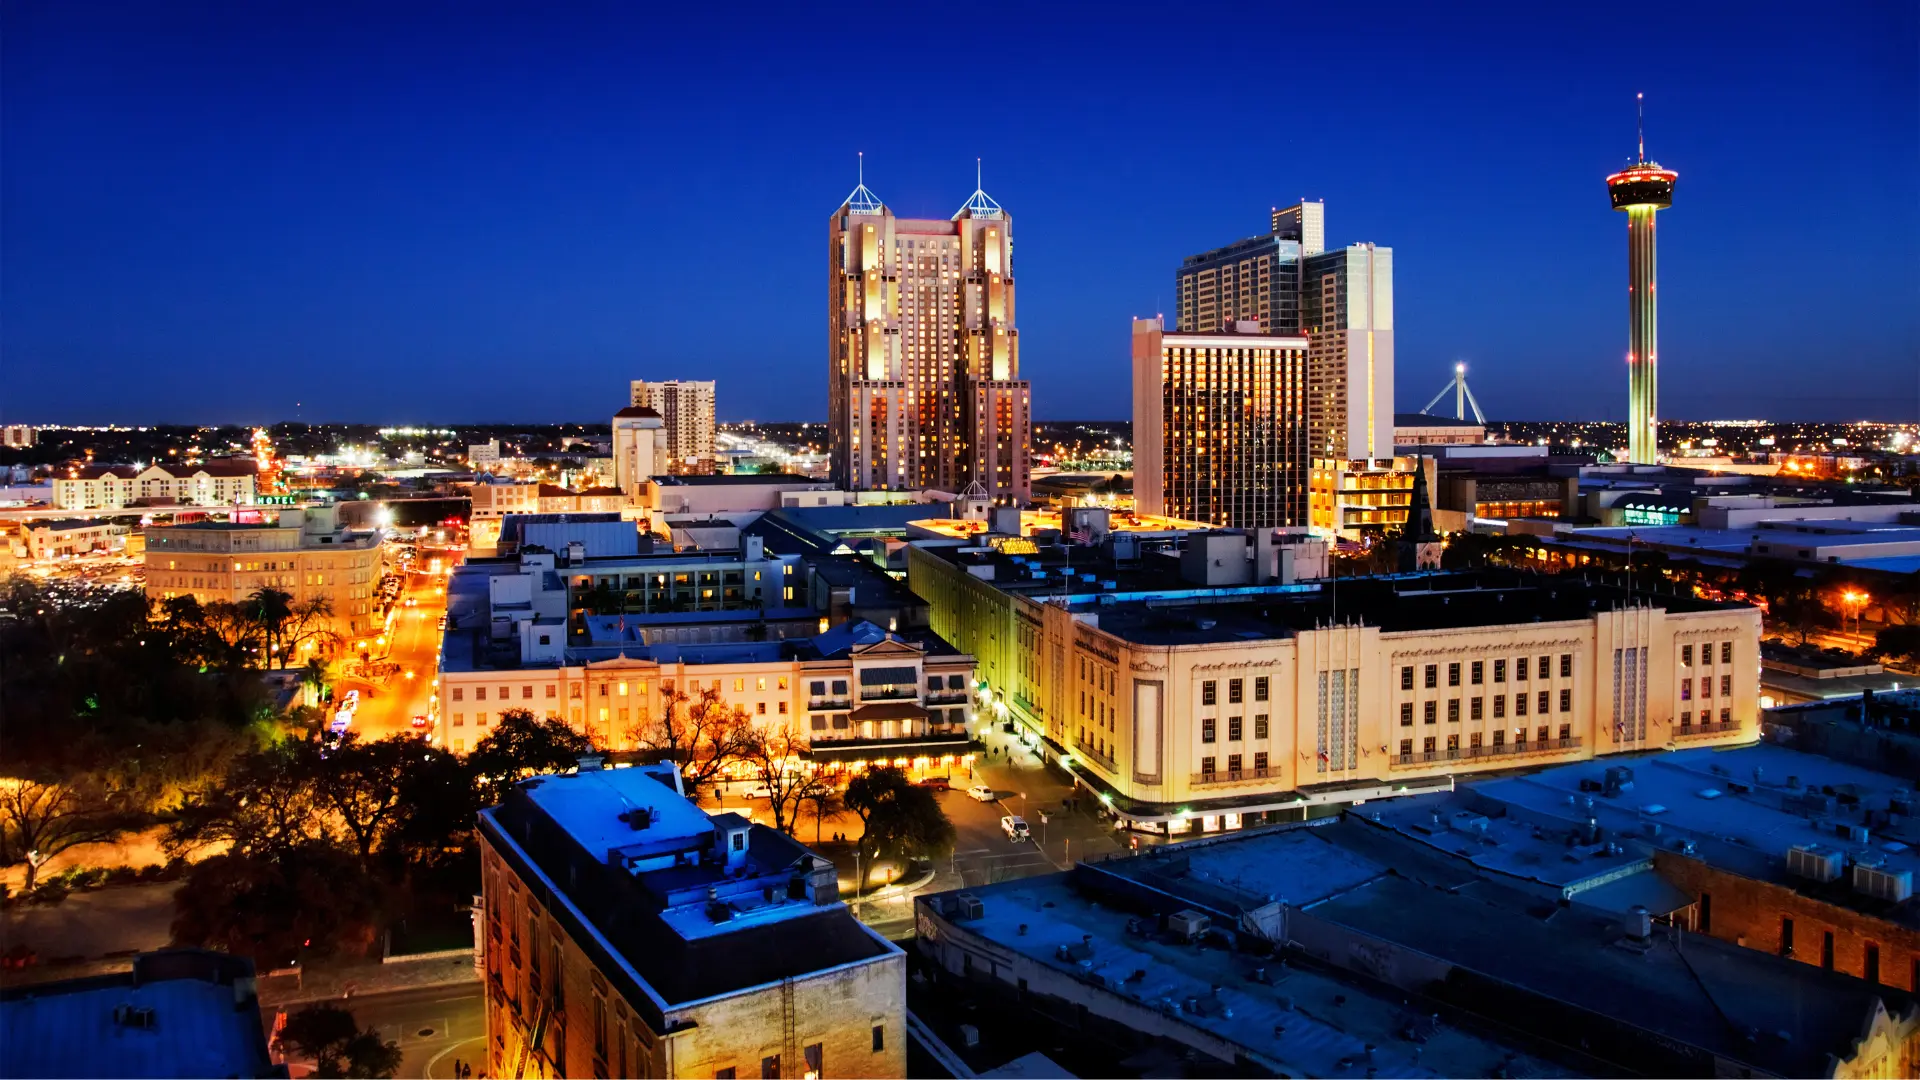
968 906
1189 924
1881 883
1813 862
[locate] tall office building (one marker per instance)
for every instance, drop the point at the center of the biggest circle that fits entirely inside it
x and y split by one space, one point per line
1287 282
1346 311
1219 425
1640 192
687 409
924 387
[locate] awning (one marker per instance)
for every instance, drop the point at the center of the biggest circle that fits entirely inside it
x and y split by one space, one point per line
888 676
888 710
889 749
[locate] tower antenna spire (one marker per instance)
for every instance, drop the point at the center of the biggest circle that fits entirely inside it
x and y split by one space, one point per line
978 184
1640 123
862 154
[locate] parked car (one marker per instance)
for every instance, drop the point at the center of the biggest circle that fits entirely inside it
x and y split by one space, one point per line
1015 827
937 783
983 793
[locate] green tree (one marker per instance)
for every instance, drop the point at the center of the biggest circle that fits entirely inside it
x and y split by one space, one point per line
338 1046
308 901
40 818
317 676
265 803
361 784
520 746
1899 644
271 609
898 816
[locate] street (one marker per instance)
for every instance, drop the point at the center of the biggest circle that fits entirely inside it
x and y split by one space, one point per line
982 853
388 706
434 1026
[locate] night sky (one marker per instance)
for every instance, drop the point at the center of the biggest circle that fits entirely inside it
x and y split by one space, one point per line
405 212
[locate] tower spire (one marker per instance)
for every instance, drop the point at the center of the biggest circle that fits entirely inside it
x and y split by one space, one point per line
863 200
1640 123
979 204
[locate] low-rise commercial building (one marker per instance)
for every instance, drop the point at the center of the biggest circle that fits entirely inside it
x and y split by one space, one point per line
1187 695
627 933
305 553
855 693
72 536
1446 943
1789 853
220 482
178 1012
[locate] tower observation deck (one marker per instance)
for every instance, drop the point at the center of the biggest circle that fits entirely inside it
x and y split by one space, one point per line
1640 191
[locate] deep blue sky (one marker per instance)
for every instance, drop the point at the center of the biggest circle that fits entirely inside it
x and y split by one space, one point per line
463 212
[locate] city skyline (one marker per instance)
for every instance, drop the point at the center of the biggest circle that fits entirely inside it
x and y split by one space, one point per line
276 193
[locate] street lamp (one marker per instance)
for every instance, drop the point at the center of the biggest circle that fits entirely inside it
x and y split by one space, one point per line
1857 602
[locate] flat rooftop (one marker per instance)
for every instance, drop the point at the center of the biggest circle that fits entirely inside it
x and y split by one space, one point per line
1305 1022
1183 614
200 1024
1741 809
1704 993
652 899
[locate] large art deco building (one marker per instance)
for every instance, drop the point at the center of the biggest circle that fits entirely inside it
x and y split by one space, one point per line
923 356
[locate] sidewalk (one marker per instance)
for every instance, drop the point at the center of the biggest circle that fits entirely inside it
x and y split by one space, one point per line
336 981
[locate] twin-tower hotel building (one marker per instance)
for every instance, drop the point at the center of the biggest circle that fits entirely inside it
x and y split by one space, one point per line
924 357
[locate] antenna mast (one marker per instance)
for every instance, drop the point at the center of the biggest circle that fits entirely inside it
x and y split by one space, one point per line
1640 124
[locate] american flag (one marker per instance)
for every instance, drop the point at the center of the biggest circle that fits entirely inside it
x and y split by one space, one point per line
1083 534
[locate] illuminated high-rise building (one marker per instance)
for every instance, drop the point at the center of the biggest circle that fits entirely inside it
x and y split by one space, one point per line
1219 425
1640 192
1287 282
924 387
1346 313
686 407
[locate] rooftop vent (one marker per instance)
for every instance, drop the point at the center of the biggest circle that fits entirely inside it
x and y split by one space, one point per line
638 817
968 906
133 1016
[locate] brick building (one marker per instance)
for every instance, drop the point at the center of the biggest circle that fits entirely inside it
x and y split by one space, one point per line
627 933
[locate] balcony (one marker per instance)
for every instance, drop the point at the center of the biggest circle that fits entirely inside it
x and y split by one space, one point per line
889 693
830 703
1479 754
1236 776
1700 731
947 697
1085 749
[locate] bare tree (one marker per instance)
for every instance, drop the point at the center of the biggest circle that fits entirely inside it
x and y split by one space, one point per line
40 819
701 732
778 762
309 621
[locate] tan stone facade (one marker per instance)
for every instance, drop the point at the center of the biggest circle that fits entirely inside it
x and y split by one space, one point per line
1173 726
617 700
230 562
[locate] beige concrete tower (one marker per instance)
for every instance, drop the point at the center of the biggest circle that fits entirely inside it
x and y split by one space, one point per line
924 387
